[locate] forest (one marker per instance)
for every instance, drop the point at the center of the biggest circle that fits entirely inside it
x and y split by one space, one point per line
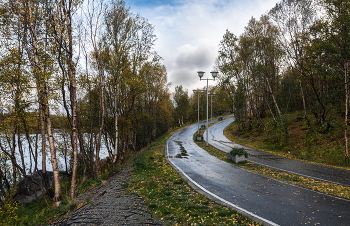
292 59
76 76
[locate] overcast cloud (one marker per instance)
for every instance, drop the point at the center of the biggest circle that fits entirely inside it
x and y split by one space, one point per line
189 32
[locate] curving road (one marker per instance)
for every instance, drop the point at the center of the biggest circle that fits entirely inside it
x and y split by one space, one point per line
264 199
217 139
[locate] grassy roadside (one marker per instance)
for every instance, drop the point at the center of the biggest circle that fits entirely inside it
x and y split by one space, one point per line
328 188
169 196
301 142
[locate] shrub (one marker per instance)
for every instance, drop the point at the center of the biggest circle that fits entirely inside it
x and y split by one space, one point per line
239 152
199 137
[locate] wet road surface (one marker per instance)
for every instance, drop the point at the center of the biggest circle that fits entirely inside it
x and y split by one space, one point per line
217 139
264 199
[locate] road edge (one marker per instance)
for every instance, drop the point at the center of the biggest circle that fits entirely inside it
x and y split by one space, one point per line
214 197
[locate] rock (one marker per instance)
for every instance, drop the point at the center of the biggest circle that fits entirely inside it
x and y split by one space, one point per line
29 191
236 158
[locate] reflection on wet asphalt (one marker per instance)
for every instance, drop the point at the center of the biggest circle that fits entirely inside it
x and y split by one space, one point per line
324 173
264 199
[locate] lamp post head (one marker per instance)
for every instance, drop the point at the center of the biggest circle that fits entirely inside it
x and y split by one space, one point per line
200 74
214 74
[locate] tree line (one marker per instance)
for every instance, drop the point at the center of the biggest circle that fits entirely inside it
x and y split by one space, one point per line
293 58
76 75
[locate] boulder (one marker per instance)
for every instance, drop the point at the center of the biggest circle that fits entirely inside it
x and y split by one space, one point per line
28 191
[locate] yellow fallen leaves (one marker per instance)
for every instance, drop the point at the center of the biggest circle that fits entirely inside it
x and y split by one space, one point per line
328 188
171 199
316 185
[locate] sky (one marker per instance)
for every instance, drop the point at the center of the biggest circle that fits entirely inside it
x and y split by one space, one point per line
189 32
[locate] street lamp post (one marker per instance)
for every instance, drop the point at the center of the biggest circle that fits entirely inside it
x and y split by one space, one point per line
211 106
195 92
214 74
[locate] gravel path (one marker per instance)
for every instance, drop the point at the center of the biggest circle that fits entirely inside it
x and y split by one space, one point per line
110 204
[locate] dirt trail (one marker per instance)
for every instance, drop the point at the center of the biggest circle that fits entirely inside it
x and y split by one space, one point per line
110 204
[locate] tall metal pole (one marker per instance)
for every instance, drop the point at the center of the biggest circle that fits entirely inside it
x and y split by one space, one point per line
214 74
195 92
211 107
207 116
198 113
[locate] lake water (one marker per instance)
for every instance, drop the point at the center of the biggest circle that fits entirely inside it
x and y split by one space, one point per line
61 143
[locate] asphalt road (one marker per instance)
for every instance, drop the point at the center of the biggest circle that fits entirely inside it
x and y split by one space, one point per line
217 139
264 199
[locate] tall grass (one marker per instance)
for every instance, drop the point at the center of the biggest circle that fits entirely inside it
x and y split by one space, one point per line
169 196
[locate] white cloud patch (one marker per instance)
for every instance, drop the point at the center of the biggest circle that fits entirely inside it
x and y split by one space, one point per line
189 33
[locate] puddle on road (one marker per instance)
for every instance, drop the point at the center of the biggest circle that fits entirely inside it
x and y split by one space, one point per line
266 156
183 153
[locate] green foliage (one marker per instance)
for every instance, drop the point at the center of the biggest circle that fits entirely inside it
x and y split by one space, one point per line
88 184
8 213
302 141
199 137
39 213
294 59
239 152
182 106
278 132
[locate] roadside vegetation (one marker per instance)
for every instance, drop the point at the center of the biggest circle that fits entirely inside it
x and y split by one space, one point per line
42 212
285 78
300 141
260 141
169 196
165 192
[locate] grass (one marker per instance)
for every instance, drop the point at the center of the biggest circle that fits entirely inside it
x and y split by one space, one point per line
175 203
320 186
169 196
302 142
42 212
35 213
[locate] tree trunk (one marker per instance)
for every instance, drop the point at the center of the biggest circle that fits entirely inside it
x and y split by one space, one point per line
102 116
56 173
273 97
346 154
43 141
115 125
73 98
42 98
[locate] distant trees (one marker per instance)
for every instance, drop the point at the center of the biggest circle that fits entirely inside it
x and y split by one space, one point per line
251 62
85 68
182 106
25 28
293 58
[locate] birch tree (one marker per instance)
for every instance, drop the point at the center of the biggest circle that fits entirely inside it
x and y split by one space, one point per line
62 24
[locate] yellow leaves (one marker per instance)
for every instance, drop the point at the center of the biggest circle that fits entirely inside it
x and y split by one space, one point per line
8 214
329 188
172 200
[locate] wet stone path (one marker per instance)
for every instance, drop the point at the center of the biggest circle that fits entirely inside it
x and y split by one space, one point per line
110 204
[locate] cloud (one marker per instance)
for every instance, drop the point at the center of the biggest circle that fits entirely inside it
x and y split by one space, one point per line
188 60
189 32
189 56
